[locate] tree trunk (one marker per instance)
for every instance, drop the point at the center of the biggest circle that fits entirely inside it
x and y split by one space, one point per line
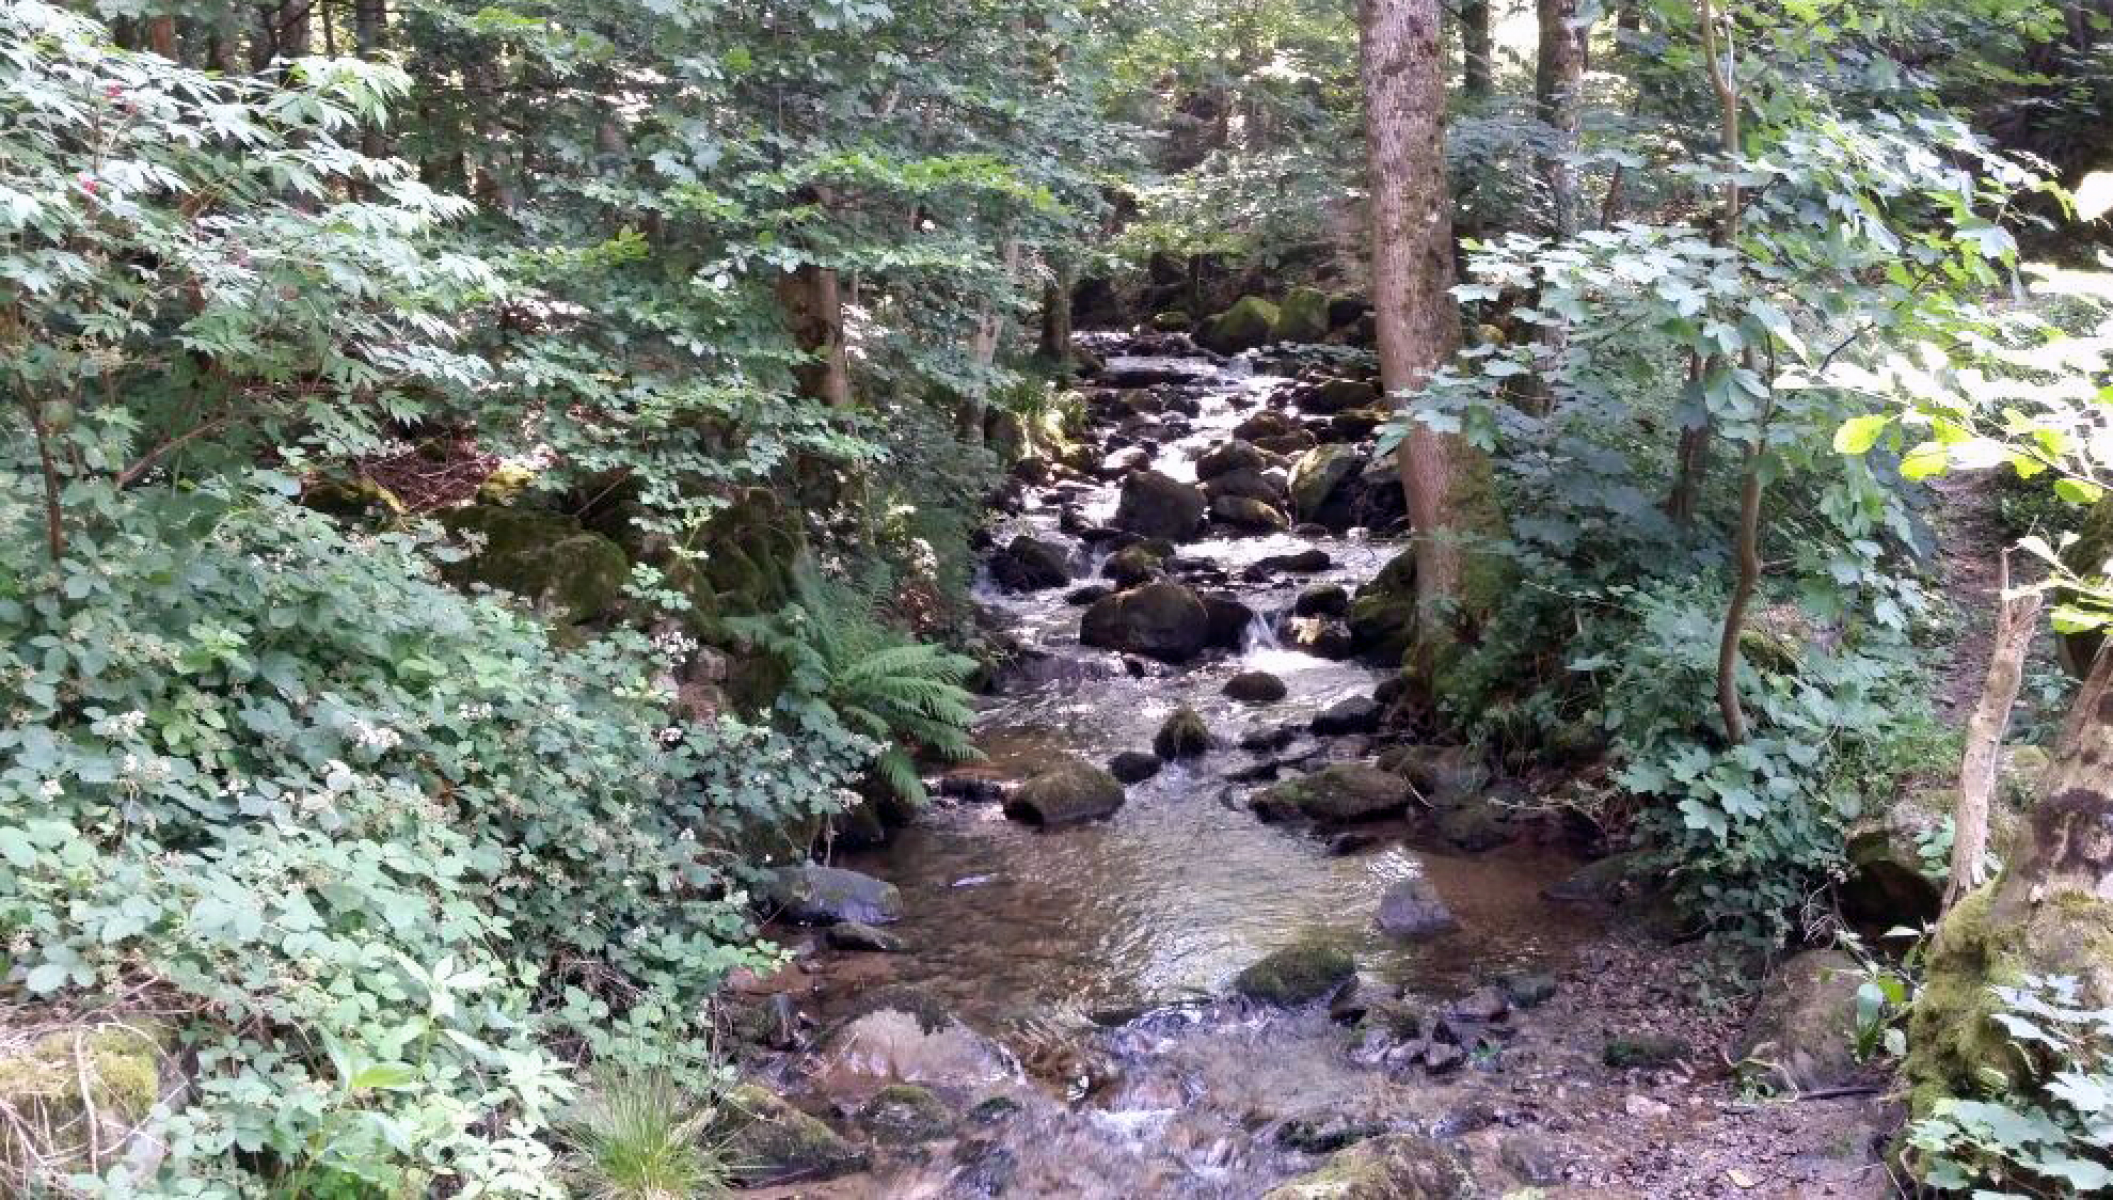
814 313
2070 847
1056 312
1476 44
2016 619
161 36
370 33
1445 481
1691 462
1558 85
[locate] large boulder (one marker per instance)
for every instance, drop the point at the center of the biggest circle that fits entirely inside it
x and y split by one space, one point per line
1161 620
1399 1166
766 1140
1337 395
1266 486
1158 506
1383 613
1248 513
560 568
1029 564
1303 317
1183 735
1316 476
1897 865
812 894
1337 794
1802 1034
1255 687
1067 793
1133 565
1235 455
1250 322
1297 974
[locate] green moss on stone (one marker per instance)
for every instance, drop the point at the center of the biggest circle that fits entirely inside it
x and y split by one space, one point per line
1298 974
1250 322
1303 317
767 1139
42 1085
547 559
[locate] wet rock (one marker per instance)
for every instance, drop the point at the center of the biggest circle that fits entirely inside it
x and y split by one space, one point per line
1254 516
1802 1034
1267 423
767 1140
1383 613
1534 1160
1161 620
1183 735
1343 844
983 1168
1444 776
904 1114
1264 738
1066 794
1335 395
1339 793
1441 1057
975 789
1471 1117
1134 565
1325 600
1251 322
1303 562
1297 442
1317 474
1325 1134
1155 505
1226 620
993 1109
1412 910
901 1035
1171 320
860 937
1352 714
1235 455
1398 1166
812 894
1355 424
1527 989
1089 594
1255 687
1134 766
1267 487
1604 881
1322 637
1298 974
1028 564
1475 825
1643 1050
859 828
1303 317
1123 462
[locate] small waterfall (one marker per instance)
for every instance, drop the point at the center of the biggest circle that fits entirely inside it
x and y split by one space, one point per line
1259 635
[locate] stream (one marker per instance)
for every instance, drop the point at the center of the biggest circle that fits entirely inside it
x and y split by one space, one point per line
1097 957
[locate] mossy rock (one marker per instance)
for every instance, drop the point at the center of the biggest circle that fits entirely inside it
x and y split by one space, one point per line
1183 735
1172 320
507 483
1303 317
1338 794
549 560
766 1139
42 1085
1398 1166
1802 1034
903 1114
359 499
1298 974
1383 612
1250 322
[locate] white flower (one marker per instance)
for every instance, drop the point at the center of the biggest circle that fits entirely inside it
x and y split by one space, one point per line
126 724
52 789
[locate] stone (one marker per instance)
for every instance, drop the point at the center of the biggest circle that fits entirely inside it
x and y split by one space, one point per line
1255 687
1238 454
1072 791
1335 395
1089 594
1134 565
812 894
1481 1006
1527 989
1265 486
1245 513
1161 620
1134 766
1303 317
904 1114
1267 423
1410 910
1302 562
1316 476
1352 714
1029 564
1262 739
1325 1133
1337 794
765 1139
1322 637
1383 612
1226 620
1643 1050
859 937
549 560
1124 461
1475 825
1324 600
1157 505
902 1035
1172 320
1398 1166
1249 323
1444 776
1297 442
1637 1105
1532 1159
1602 881
1183 735
1297 974
1801 1035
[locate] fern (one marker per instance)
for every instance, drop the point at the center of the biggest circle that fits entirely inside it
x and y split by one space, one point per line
906 695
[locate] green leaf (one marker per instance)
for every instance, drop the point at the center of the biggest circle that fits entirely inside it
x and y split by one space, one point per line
1858 434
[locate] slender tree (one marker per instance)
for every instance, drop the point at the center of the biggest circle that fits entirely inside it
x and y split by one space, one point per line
1446 481
1558 87
1476 44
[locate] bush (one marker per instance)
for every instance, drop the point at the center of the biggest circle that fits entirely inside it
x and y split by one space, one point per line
393 856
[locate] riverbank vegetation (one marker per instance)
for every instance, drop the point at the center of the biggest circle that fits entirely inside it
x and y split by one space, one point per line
489 492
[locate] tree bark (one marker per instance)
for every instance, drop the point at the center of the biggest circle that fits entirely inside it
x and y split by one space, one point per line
2069 850
2016 619
1476 45
1056 312
370 33
814 313
1446 483
1558 92
161 36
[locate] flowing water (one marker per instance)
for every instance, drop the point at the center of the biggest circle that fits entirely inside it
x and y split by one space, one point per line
1094 953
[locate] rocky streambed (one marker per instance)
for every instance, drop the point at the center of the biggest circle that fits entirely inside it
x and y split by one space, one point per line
1204 922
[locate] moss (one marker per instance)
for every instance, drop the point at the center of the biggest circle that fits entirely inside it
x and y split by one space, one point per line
1184 735
506 484
1393 1167
1303 316
42 1084
547 559
1298 974
904 1114
1250 322
352 499
1173 320
767 1139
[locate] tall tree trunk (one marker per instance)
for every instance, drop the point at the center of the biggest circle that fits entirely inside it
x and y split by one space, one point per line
814 312
370 33
1445 481
1691 461
1476 46
1558 94
161 36
2017 617
1056 311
